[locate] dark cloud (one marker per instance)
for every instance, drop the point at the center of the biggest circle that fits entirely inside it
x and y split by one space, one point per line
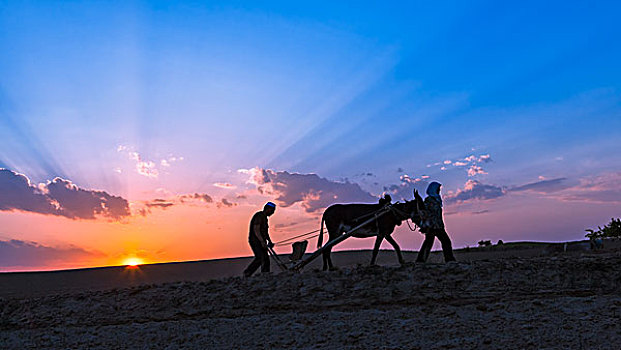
15 253
58 197
159 203
77 203
192 199
203 197
225 203
16 193
544 186
310 190
474 189
485 211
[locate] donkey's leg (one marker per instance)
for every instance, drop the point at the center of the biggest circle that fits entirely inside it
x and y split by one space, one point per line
378 242
332 234
327 261
330 266
325 256
397 249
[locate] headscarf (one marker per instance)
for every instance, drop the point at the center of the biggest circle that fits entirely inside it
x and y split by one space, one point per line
433 190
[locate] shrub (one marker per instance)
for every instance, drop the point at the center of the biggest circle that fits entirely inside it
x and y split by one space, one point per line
483 243
612 229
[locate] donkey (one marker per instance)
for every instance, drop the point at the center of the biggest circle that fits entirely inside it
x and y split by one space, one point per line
340 218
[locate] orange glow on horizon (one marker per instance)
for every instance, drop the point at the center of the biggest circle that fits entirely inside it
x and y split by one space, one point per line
133 262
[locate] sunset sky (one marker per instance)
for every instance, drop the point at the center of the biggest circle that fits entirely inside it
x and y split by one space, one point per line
155 130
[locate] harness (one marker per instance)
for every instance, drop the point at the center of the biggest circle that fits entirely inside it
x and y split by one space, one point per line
399 215
405 217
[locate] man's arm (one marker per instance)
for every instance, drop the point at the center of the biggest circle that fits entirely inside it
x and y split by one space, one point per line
256 228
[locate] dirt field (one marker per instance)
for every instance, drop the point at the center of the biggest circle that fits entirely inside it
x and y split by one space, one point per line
566 301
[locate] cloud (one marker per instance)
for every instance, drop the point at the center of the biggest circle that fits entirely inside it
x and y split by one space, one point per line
484 158
168 162
15 253
475 190
475 170
544 186
225 203
310 190
58 197
147 169
203 197
191 199
159 203
472 161
603 188
144 167
405 189
485 211
225 185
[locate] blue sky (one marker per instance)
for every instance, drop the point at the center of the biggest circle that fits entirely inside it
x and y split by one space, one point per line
364 92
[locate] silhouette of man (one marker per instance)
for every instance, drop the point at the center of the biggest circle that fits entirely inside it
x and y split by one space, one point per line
259 240
432 224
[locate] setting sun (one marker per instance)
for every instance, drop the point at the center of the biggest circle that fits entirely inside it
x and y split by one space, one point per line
133 262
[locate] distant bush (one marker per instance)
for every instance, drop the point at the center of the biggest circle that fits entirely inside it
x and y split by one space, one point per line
483 243
500 242
613 229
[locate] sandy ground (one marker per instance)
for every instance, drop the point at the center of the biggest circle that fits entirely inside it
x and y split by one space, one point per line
567 301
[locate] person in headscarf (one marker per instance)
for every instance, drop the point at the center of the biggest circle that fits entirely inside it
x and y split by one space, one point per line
432 224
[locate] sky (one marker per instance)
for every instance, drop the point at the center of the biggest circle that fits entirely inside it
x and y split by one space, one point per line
155 130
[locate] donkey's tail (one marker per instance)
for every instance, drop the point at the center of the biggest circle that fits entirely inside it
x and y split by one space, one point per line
320 239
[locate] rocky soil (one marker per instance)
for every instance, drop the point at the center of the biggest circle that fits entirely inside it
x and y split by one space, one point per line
558 302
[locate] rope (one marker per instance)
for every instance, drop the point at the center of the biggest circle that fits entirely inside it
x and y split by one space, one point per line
283 242
411 229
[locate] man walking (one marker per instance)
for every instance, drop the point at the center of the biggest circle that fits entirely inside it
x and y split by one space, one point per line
259 240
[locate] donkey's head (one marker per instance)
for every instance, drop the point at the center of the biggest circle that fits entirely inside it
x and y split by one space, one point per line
408 210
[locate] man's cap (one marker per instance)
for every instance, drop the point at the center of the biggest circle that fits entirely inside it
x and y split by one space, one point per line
270 204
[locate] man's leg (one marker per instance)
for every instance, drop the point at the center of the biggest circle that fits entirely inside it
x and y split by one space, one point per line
447 248
254 265
265 260
423 253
